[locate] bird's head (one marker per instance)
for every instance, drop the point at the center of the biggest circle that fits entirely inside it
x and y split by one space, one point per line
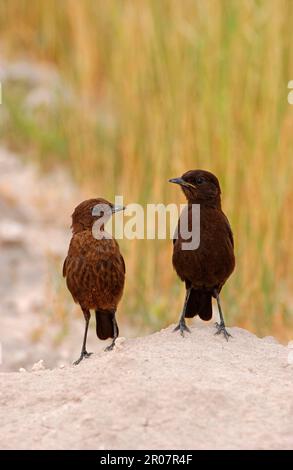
89 211
200 187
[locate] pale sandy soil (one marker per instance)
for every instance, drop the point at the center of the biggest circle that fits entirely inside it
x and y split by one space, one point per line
157 392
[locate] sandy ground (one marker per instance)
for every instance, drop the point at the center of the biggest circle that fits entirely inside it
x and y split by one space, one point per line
157 392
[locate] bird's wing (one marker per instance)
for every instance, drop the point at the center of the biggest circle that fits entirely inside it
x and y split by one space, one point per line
123 263
230 233
64 267
175 235
94 271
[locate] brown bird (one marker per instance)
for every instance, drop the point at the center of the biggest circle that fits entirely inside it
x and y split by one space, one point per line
205 269
95 269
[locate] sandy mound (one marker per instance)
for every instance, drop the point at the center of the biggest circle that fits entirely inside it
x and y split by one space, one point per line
161 391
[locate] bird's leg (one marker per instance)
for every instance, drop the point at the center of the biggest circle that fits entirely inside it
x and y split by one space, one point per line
182 325
84 353
115 330
221 327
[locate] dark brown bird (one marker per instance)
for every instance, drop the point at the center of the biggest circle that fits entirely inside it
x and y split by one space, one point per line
205 269
95 269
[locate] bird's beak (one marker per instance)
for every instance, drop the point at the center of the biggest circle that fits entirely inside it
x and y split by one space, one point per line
181 182
101 209
118 209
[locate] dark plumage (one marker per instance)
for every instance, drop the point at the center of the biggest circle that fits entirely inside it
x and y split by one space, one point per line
95 270
205 269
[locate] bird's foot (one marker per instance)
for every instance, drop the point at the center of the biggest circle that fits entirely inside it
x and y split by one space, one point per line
84 355
110 347
222 329
182 327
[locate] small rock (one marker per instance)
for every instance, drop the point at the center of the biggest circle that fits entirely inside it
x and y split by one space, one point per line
38 366
119 343
21 369
61 366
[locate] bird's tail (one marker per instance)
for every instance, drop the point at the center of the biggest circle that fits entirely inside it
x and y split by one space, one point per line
199 303
104 324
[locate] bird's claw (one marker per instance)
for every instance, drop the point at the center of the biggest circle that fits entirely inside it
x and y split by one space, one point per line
222 329
182 327
84 355
87 355
110 347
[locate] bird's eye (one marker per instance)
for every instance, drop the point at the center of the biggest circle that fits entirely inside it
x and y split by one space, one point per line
199 180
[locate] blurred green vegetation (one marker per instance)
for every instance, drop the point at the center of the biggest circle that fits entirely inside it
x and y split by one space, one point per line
159 87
